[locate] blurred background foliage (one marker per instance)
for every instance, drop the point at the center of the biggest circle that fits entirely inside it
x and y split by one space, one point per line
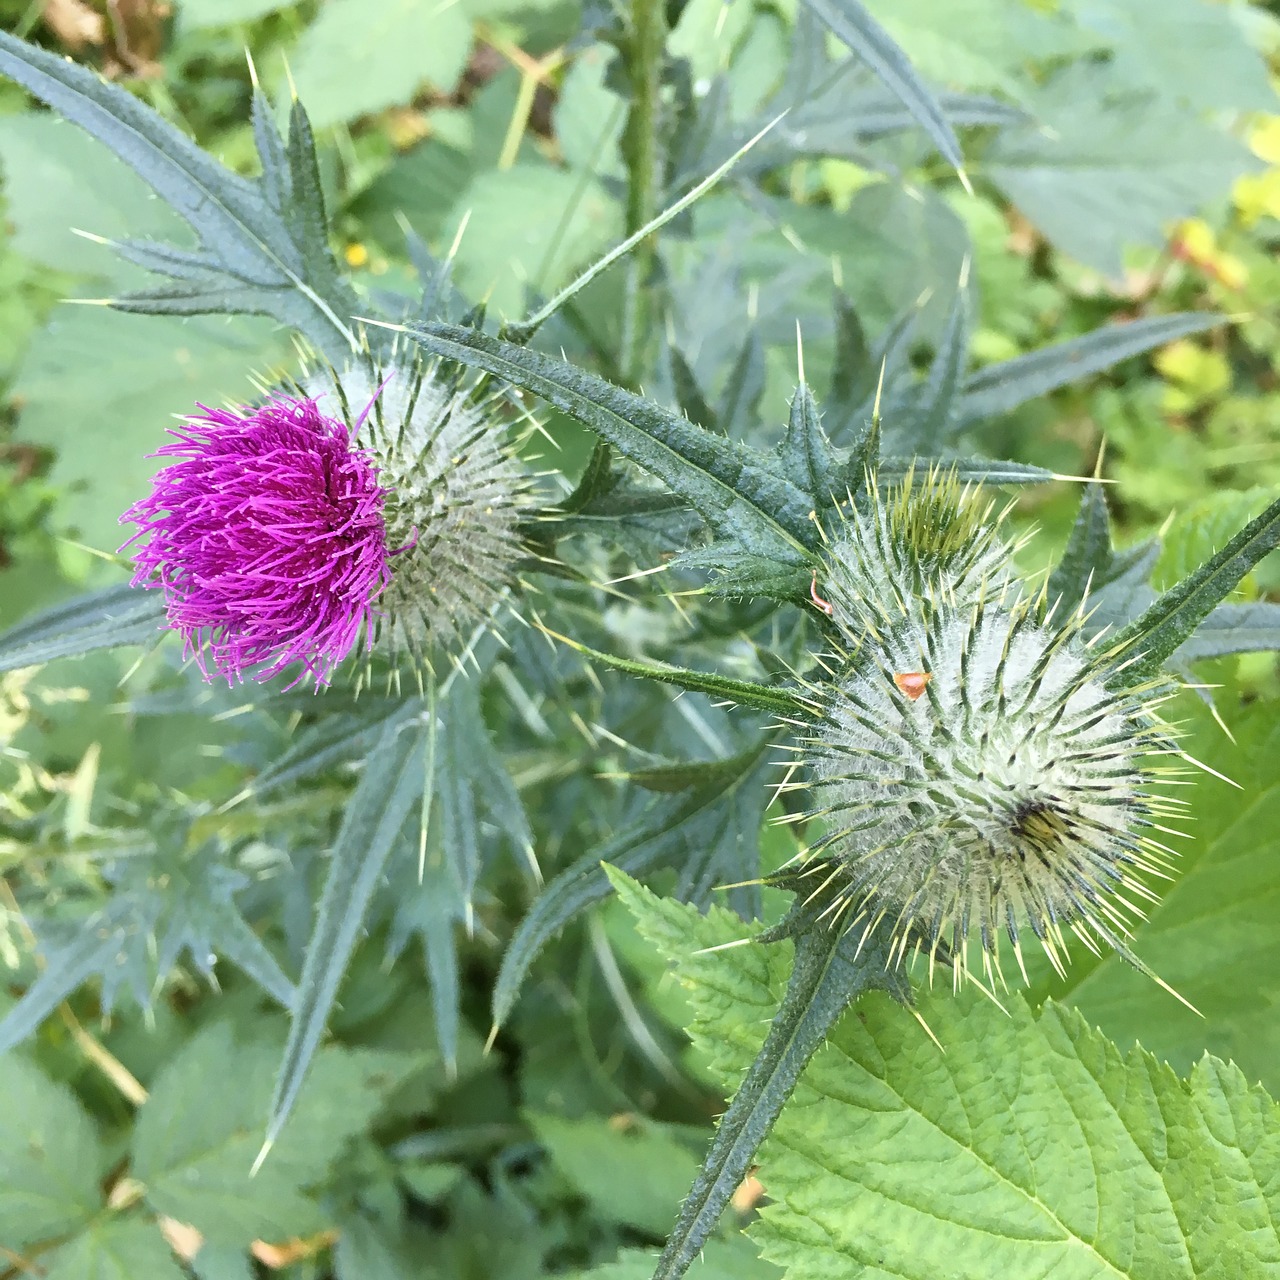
1144 178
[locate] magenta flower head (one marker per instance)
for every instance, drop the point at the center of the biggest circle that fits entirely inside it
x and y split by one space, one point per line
266 533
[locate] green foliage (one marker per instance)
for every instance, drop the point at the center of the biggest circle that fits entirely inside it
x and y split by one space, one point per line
824 297
912 1157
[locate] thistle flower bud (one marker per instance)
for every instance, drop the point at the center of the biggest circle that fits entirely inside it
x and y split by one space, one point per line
455 492
374 504
976 768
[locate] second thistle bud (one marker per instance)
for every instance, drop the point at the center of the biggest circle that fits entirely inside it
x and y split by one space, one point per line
977 771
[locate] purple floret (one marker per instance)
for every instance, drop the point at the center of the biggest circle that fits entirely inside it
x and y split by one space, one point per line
267 536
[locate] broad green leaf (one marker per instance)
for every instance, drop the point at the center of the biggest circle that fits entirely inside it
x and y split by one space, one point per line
360 56
97 620
708 828
1107 166
50 1157
114 1248
737 490
390 786
198 1132
1196 532
868 40
650 1169
1175 615
1215 935
1192 51
1001 388
1023 1147
258 239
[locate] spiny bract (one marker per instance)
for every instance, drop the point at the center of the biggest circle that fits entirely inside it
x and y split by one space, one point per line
978 767
456 491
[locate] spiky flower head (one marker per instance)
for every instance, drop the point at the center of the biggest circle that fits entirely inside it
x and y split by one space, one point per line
978 768
375 504
927 542
266 533
455 494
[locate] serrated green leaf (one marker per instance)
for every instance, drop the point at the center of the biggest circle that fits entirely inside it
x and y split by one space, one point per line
737 490
1175 615
198 1132
50 1157
1197 531
807 454
114 1248
392 783
1028 1147
709 830
246 242
1215 934
104 619
1001 388
868 40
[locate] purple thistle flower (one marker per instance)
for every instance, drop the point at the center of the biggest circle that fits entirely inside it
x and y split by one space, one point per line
268 538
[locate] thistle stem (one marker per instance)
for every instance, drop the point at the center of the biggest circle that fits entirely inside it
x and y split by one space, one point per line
642 152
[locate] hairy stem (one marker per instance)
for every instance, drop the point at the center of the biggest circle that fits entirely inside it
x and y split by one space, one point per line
642 151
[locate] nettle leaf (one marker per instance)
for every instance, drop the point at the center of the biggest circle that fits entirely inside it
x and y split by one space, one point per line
1001 388
106 619
832 968
164 904
114 1248
196 1136
263 244
1215 934
1175 615
1030 1146
50 1157
868 40
707 827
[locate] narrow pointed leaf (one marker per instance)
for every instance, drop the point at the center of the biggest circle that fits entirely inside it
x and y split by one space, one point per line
1000 388
1235 628
978 470
739 410
781 702
830 971
737 490
708 828
104 619
1087 553
931 409
807 453
265 238
388 792
868 40
1175 615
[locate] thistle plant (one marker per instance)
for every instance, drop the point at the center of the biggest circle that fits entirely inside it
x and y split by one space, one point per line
962 763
